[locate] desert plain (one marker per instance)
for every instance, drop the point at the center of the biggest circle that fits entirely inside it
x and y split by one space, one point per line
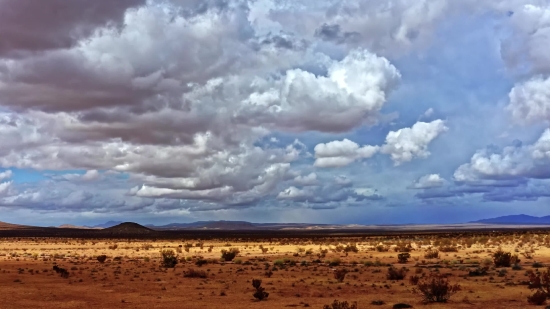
301 271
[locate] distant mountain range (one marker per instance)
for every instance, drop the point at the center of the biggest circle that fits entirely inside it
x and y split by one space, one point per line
244 225
217 225
516 220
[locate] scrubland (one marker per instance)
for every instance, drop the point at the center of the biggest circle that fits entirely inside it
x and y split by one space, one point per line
485 270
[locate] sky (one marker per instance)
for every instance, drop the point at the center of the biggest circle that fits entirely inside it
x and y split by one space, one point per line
325 111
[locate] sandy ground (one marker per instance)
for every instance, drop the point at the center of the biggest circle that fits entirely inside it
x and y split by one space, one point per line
132 277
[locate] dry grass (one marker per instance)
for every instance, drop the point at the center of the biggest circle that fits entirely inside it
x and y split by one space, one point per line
295 272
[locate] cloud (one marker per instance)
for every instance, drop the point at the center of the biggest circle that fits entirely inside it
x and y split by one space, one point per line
208 105
427 182
530 100
341 153
527 44
4 187
307 180
28 26
512 162
330 193
5 175
406 144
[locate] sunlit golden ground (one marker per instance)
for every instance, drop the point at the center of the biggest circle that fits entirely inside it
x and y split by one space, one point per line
133 278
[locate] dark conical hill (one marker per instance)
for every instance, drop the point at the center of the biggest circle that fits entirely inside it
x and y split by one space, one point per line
128 228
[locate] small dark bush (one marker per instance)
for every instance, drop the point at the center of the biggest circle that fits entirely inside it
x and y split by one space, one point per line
169 258
504 259
448 249
403 257
101 258
229 255
401 306
61 271
191 273
537 298
436 289
478 272
537 265
413 280
541 282
396 274
260 293
341 305
431 254
201 262
340 274
377 302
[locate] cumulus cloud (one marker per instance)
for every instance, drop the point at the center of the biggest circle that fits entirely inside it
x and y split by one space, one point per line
427 182
332 193
527 46
530 100
5 175
4 187
307 180
178 98
408 143
28 26
512 162
341 153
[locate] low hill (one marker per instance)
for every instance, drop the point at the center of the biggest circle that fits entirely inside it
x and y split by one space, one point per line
9 226
516 219
129 228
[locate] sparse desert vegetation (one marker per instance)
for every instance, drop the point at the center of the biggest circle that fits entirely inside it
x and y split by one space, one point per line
454 270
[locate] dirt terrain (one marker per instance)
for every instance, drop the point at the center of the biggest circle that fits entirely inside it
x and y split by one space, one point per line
296 272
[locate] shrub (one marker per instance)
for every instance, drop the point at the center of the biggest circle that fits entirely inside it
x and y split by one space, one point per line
448 249
334 262
340 274
396 274
191 273
101 258
260 293
413 280
431 254
278 262
480 271
540 281
169 258
504 259
201 262
351 248
61 271
537 298
341 305
537 264
382 248
436 289
229 255
403 257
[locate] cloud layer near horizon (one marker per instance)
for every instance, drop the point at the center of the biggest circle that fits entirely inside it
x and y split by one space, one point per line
205 108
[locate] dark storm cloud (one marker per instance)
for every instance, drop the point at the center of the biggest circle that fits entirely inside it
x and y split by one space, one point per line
333 33
28 26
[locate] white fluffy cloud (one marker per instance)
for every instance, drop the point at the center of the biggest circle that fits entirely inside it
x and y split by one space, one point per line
179 96
530 100
5 175
428 181
408 143
341 153
519 161
403 146
527 46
